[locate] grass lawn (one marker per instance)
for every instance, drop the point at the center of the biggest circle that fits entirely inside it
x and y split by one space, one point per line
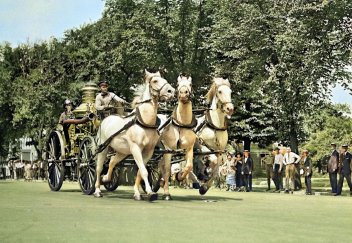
30 212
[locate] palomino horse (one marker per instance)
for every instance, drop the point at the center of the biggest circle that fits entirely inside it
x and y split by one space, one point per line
140 138
212 127
178 134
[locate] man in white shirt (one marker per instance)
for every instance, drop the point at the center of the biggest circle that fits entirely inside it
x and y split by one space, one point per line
277 167
290 159
107 102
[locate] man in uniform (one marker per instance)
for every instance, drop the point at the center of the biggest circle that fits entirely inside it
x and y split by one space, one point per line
67 114
290 159
345 169
105 101
332 168
306 170
268 161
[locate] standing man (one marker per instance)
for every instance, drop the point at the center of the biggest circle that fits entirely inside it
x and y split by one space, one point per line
332 168
278 168
345 163
307 171
290 159
268 160
106 102
247 169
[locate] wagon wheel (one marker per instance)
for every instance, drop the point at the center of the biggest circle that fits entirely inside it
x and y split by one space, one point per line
154 175
86 166
114 183
56 169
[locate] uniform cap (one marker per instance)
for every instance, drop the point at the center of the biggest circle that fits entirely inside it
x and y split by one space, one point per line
103 82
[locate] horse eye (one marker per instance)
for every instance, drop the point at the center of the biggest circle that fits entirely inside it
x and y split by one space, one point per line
220 92
154 81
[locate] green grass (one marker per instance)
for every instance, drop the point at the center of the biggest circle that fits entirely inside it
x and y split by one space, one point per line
30 212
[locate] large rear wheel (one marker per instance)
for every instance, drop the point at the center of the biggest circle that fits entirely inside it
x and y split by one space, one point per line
56 168
86 166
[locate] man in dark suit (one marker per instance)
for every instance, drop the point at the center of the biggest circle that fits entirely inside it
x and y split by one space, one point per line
307 171
332 168
247 169
345 169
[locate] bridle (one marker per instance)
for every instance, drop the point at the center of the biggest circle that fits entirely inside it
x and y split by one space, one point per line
156 92
222 103
190 92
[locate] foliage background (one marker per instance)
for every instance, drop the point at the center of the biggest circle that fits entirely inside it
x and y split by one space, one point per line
282 58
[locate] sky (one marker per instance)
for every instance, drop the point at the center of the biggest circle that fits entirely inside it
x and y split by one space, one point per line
23 21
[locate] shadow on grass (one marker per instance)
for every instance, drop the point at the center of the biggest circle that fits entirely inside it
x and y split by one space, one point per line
128 195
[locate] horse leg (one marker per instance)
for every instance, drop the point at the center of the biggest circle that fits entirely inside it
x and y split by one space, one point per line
100 162
189 164
137 183
114 160
214 165
166 175
137 155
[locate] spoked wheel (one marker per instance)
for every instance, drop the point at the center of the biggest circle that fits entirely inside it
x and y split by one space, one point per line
86 166
114 183
154 176
56 169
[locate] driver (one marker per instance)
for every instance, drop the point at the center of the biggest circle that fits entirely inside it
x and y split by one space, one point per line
105 101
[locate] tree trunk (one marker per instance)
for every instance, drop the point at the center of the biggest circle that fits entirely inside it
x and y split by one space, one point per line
247 144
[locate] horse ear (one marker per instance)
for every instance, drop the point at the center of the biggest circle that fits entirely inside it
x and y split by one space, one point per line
158 73
190 79
179 79
227 82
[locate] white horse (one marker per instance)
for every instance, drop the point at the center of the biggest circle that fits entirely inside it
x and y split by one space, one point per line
178 134
140 138
212 127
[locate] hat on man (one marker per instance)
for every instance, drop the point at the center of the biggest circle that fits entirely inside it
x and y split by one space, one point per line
344 146
333 144
67 102
245 150
103 82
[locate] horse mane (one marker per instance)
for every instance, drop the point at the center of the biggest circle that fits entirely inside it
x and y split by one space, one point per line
138 93
216 82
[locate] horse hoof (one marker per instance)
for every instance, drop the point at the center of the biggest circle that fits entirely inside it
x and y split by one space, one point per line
152 197
203 189
167 197
97 194
137 197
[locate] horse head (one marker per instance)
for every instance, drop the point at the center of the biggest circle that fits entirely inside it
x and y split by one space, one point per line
159 87
184 88
220 96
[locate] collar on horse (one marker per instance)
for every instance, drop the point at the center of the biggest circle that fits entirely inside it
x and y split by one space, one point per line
139 121
179 124
209 122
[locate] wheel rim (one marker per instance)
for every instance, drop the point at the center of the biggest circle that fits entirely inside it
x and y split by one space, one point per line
87 175
55 167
